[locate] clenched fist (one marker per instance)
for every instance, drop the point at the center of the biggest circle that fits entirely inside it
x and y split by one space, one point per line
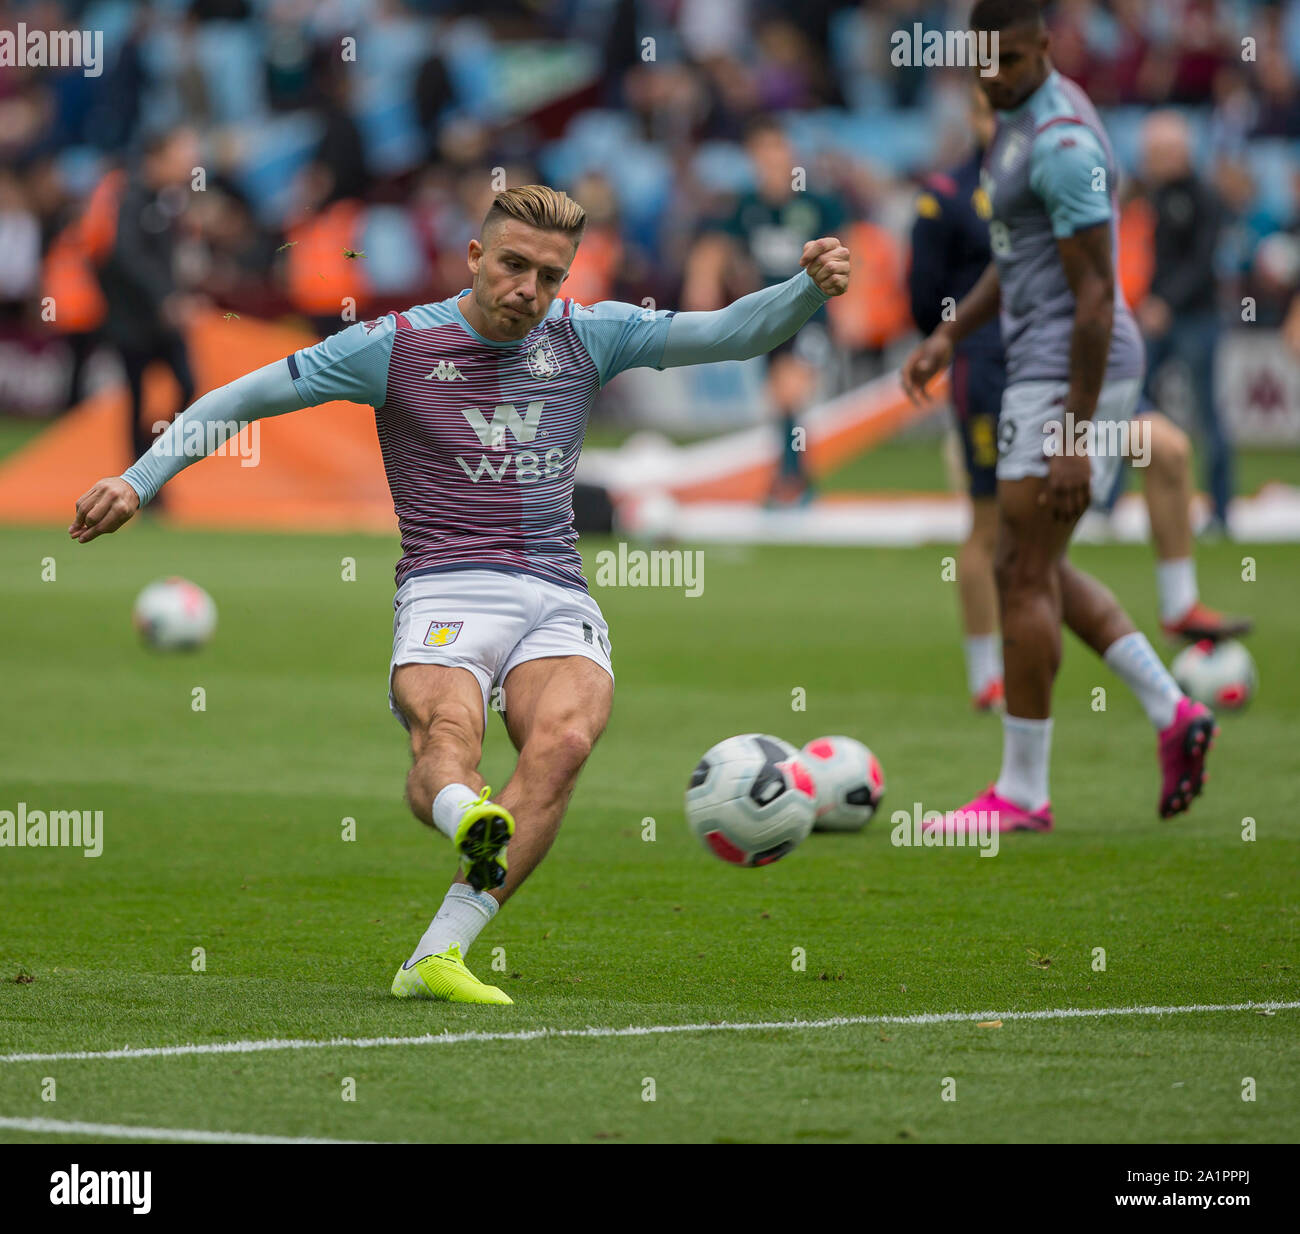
108 505
827 263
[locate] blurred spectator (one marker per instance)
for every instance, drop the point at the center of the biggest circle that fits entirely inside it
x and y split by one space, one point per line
20 246
759 243
146 310
1179 315
326 277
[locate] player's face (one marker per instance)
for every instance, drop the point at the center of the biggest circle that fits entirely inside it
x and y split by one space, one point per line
517 272
1022 67
773 162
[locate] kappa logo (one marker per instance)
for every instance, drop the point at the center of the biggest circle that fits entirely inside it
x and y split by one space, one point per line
542 362
442 633
446 371
1014 148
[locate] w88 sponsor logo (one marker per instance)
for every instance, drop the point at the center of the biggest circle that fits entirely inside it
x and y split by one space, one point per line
529 466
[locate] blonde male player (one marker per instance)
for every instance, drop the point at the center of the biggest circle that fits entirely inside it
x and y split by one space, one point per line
481 403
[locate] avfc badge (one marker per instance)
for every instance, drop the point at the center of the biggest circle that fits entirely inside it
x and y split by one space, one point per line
542 362
442 633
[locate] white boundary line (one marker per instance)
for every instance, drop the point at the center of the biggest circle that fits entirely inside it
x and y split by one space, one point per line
367 1043
53 1126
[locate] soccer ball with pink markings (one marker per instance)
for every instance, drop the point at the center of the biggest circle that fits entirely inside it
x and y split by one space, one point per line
1221 675
750 800
850 782
174 615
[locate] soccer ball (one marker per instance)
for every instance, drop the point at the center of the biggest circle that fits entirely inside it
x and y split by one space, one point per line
1220 675
751 800
174 615
849 780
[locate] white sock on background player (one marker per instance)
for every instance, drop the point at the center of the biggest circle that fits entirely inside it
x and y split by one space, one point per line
461 919
449 805
983 661
1176 587
1134 661
1026 753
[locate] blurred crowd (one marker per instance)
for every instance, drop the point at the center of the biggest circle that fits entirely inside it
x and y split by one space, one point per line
349 148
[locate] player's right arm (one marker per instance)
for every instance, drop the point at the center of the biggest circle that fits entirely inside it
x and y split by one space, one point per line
929 358
350 365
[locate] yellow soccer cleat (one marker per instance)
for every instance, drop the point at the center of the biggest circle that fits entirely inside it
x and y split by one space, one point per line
485 830
445 978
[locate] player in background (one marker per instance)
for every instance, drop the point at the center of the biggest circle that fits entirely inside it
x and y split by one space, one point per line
754 246
1073 354
950 250
481 404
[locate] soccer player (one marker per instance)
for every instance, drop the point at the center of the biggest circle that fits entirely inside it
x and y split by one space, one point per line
481 403
758 241
950 250
1073 354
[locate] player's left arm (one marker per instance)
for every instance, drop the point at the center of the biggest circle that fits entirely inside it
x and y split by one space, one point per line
1070 173
754 324
1090 271
622 336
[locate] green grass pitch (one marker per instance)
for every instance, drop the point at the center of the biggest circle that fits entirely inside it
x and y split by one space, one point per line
223 831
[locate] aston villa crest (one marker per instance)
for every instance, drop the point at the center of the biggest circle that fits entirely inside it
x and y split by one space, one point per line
542 362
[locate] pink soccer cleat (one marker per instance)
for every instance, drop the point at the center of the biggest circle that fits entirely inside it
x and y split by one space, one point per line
992 698
1182 749
1003 814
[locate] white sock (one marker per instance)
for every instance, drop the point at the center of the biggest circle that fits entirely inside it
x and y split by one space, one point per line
1176 587
449 805
1026 752
461 919
983 661
1134 660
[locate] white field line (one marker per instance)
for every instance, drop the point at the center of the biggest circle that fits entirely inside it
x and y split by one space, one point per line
54 1126
655 1030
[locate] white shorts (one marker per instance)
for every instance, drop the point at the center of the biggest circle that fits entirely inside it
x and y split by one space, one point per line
488 621
1029 406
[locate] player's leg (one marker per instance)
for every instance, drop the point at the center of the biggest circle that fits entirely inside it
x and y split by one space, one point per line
792 385
976 385
556 708
451 633
979 606
1030 544
1184 729
1167 487
442 708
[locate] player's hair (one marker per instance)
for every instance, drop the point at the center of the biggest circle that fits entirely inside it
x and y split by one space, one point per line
764 122
541 206
1005 14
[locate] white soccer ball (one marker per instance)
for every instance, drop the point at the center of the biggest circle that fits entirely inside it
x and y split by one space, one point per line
650 518
174 615
750 800
849 780
1220 675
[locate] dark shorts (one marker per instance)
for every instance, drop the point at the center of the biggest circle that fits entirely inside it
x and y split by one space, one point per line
977 381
